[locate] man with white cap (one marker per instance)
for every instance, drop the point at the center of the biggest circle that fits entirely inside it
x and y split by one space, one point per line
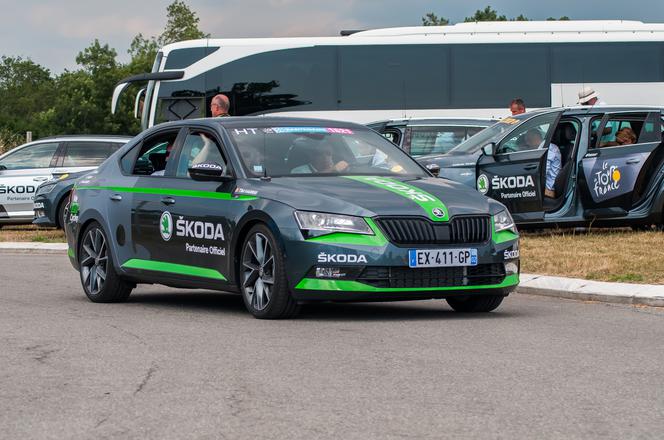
588 96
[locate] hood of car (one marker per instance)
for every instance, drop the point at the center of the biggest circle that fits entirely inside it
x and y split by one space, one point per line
368 196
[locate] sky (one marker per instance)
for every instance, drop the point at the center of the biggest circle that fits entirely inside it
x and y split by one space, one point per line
52 33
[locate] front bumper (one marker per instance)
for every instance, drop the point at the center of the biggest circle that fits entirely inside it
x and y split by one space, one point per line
384 274
43 212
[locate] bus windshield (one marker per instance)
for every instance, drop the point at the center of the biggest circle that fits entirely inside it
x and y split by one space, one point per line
279 151
489 134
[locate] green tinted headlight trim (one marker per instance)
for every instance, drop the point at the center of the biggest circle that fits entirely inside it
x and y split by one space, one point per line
177 269
345 238
428 202
356 286
502 236
170 192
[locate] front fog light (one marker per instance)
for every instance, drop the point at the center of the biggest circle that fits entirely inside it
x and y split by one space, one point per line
330 272
511 268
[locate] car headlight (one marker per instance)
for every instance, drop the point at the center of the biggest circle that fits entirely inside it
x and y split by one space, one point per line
319 223
503 222
45 189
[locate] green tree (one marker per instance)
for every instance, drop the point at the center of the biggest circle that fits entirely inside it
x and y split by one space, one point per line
486 14
182 24
563 18
432 19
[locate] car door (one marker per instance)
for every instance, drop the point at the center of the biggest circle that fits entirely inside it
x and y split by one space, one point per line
21 172
613 176
186 225
515 173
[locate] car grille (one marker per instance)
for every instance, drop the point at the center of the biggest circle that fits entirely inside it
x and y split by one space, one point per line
418 230
406 277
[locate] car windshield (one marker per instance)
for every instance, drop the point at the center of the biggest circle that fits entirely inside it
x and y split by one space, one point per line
490 134
314 151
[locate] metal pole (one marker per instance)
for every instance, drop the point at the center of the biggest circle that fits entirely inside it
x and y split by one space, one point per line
28 136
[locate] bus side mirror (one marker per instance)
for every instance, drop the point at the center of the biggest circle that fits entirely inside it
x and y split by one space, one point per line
489 149
139 102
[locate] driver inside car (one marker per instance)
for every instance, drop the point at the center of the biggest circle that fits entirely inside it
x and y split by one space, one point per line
321 161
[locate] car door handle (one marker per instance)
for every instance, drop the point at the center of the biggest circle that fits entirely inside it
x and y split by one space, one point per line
530 167
168 201
40 179
633 161
116 197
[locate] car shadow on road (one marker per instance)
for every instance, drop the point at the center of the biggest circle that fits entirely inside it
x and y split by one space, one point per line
226 303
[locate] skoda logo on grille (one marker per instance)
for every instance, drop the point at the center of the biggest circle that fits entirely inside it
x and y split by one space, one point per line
438 212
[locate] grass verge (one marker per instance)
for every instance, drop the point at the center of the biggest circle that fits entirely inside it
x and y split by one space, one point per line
617 255
31 233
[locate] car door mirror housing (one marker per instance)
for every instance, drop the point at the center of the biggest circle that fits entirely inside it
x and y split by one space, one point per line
209 172
433 169
489 149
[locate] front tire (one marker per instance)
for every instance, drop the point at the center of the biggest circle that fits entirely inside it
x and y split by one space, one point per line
99 279
263 277
475 303
61 221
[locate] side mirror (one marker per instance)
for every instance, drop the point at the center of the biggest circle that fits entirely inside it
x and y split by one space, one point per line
209 172
433 169
489 149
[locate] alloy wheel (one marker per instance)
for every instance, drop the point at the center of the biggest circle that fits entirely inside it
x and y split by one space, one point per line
94 261
258 271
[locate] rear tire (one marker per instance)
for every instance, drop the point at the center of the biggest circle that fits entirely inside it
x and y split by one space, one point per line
262 277
99 279
475 303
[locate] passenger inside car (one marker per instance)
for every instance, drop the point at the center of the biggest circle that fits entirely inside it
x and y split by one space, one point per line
553 160
624 136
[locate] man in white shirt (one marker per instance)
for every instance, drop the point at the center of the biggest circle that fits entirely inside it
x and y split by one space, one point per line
553 160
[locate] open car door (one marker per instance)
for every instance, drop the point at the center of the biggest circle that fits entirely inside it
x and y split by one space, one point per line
614 177
515 173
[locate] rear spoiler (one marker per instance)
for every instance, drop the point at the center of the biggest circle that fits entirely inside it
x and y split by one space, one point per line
155 76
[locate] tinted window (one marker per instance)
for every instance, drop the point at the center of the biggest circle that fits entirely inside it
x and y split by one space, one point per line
303 78
33 156
313 151
154 154
625 129
433 140
393 77
181 58
86 154
490 134
606 62
490 75
197 148
531 135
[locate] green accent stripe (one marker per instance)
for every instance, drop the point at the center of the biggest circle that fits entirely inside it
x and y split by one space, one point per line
344 238
178 269
171 192
428 202
356 286
70 252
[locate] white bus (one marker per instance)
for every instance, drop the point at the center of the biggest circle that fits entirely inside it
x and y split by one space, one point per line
468 69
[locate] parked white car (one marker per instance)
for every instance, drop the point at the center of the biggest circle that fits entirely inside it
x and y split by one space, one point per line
25 167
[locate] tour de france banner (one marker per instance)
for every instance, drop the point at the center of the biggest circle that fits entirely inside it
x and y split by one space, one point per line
610 178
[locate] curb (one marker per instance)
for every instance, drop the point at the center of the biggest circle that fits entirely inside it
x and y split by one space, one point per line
33 248
585 290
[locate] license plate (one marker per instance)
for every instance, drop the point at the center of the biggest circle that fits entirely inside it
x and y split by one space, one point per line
442 257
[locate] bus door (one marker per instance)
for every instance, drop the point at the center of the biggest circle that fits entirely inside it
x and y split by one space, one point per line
617 171
515 174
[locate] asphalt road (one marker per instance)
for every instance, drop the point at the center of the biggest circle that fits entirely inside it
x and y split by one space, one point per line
190 364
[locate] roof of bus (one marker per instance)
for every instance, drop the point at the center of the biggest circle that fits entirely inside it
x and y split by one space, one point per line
464 33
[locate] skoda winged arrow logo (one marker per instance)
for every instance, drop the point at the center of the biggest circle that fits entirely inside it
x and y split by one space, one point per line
438 212
166 225
483 184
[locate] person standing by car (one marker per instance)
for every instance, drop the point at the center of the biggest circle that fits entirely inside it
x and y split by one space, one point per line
553 160
588 96
517 106
219 106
